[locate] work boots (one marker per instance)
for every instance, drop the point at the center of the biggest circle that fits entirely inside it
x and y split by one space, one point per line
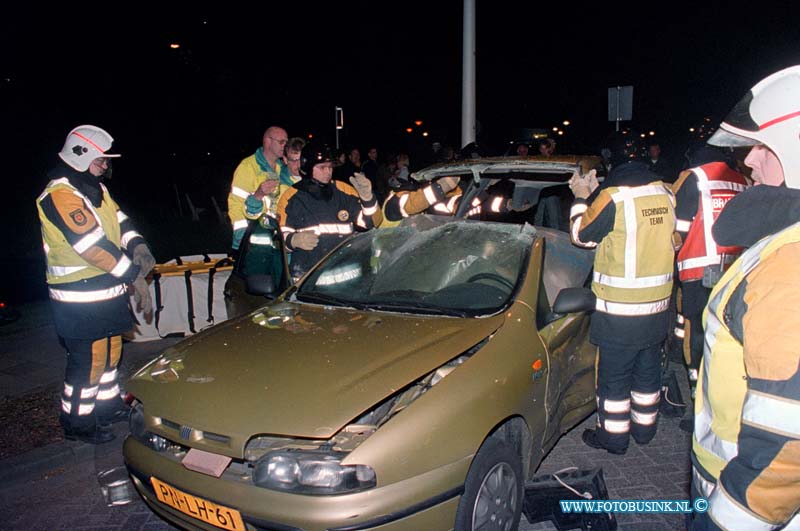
98 435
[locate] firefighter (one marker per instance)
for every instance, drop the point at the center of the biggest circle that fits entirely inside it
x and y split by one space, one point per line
700 194
630 220
746 443
441 197
318 213
93 253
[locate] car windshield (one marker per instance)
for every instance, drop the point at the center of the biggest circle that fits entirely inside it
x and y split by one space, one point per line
427 265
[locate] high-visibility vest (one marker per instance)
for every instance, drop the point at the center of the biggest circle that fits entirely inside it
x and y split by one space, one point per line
246 180
634 263
64 263
723 400
717 184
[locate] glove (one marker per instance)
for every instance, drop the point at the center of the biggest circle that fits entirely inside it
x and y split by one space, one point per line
142 298
305 240
143 258
362 185
448 183
583 186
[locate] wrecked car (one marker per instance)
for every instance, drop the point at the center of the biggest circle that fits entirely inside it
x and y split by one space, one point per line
414 379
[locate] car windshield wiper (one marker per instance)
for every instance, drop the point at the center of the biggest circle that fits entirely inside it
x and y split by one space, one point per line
413 307
329 300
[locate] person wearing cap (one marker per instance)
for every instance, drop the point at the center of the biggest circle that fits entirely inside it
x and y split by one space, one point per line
746 441
318 213
93 254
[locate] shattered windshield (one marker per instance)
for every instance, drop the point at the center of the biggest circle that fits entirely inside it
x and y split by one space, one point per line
427 265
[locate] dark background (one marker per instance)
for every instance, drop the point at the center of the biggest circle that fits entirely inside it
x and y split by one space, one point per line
184 118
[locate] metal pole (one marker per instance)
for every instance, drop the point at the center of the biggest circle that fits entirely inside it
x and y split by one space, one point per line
618 91
468 75
336 125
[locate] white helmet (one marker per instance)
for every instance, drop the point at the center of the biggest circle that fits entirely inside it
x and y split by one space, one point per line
770 115
84 144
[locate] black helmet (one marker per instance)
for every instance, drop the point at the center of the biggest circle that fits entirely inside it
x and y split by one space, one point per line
313 155
625 147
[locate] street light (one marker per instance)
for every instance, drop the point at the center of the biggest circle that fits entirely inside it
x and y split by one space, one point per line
409 130
565 122
425 133
418 123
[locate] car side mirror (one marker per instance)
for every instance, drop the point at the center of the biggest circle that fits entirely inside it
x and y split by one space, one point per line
571 300
259 285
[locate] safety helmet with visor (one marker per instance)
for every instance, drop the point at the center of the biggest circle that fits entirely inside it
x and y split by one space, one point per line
769 114
84 144
313 155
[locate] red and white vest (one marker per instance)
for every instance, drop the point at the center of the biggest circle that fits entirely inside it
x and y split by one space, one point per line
717 184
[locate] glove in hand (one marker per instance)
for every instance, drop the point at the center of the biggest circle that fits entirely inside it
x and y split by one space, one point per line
448 183
266 188
142 298
583 186
306 240
363 186
144 259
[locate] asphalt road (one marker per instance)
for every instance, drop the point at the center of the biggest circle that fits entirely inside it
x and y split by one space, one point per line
57 487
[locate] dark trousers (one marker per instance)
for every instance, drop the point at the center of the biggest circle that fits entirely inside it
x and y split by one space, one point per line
91 390
694 298
628 392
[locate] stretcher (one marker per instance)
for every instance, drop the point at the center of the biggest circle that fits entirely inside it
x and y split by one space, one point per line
187 294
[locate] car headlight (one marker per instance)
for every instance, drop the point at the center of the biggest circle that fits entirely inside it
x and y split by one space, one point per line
311 472
139 430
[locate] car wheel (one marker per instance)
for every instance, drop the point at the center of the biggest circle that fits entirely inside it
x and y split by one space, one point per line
492 499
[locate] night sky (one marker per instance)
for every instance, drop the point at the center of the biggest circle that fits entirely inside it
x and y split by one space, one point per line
387 63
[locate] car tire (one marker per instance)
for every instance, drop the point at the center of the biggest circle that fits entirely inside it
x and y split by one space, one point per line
492 499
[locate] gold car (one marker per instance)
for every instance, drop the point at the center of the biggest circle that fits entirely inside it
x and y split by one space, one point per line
413 380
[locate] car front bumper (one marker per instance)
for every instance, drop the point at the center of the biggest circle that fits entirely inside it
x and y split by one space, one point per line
427 501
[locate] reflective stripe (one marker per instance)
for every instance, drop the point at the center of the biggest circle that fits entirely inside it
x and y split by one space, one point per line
430 195
67 390
337 276
645 399
330 228
261 240
703 486
772 413
705 436
239 192
640 282
680 332
474 211
87 296
90 392
497 203
369 210
90 239
128 236
108 377
575 228
46 248
693 374
577 209
83 409
617 406
701 261
680 319
451 203
617 426
620 308
682 225
108 394
643 419
476 202
62 271
728 514
286 229
121 216
441 207
402 204
240 224
122 266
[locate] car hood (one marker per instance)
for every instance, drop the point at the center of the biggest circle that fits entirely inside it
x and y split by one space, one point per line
298 370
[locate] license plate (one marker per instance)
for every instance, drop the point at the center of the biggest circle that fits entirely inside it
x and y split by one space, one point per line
211 513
